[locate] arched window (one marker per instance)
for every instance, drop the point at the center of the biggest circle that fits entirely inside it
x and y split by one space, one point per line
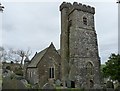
51 69
84 20
89 68
51 72
91 83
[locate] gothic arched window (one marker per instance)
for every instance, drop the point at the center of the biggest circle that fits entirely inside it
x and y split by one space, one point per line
89 68
51 69
91 83
84 20
51 72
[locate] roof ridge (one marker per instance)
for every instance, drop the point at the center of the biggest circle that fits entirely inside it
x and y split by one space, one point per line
35 60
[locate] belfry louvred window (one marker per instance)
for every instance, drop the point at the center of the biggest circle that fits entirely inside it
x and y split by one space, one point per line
84 20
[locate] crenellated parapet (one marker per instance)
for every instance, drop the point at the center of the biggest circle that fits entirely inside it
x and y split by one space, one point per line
77 6
65 5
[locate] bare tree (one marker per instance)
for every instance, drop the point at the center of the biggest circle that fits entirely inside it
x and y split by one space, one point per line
23 54
14 55
3 54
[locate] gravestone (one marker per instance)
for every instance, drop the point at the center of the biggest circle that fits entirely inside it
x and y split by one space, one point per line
48 86
57 82
109 84
68 83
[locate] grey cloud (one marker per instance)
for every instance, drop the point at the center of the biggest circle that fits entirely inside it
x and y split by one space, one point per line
37 24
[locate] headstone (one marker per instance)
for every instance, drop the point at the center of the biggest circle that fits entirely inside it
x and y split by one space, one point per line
48 86
36 86
96 86
109 84
117 88
68 83
58 82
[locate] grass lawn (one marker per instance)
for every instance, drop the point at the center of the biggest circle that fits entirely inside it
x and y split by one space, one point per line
68 89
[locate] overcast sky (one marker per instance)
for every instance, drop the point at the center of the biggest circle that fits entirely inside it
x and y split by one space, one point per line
36 24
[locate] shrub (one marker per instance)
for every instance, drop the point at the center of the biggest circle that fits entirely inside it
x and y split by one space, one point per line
109 84
8 68
18 72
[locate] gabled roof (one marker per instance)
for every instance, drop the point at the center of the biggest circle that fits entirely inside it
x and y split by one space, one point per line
38 56
35 60
58 51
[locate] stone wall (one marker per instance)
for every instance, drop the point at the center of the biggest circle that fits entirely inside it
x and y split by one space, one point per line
32 75
79 45
51 59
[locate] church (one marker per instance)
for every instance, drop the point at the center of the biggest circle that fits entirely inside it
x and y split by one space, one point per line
77 63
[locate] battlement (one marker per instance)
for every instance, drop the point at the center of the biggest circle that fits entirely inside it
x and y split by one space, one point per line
77 6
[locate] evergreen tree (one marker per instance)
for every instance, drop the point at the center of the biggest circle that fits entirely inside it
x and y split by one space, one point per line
112 68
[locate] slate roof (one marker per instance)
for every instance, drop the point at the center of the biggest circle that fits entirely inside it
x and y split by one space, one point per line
35 60
38 56
58 51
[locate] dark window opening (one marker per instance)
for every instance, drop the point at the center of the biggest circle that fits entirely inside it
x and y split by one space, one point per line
30 74
91 83
72 84
51 72
84 20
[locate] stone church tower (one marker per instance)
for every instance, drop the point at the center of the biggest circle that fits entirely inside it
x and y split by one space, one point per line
79 48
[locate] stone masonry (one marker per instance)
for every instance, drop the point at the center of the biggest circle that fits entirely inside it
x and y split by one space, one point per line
79 49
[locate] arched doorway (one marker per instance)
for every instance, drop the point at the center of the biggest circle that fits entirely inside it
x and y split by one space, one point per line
91 83
72 84
89 68
90 73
